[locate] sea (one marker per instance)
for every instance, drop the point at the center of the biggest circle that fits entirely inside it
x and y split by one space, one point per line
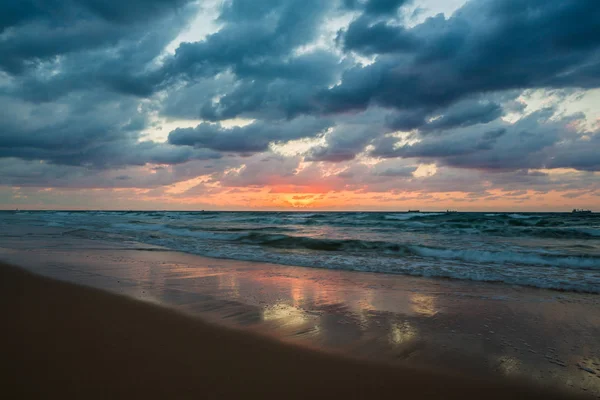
559 251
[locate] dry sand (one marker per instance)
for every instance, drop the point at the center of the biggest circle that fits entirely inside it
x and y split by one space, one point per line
59 339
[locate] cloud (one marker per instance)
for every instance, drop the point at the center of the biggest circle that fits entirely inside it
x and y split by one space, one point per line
375 7
275 89
33 32
343 143
258 46
539 140
251 138
98 130
463 114
405 171
487 45
253 33
350 96
379 7
578 153
369 38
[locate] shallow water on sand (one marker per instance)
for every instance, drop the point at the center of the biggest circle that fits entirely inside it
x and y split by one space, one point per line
472 327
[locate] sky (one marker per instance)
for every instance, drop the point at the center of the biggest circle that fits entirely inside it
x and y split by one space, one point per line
300 104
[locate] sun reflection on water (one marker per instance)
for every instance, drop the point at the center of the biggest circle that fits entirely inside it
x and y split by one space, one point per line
285 314
230 283
423 304
402 332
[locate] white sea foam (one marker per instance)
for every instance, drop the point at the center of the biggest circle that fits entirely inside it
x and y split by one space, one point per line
479 256
409 215
521 216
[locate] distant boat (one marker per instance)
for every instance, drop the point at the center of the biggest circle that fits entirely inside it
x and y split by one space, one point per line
414 210
450 211
581 211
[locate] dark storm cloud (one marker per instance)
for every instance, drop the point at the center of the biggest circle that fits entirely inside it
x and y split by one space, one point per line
371 34
19 12
487 45
370 38
99 130
344 143
33 31
272 90
379 7
350 136
464 114
536 141
257 45
67 61
461 114
582 154
456 145
375 7
127 153
407 120
62 113
194 99
251 138
72 124
255 33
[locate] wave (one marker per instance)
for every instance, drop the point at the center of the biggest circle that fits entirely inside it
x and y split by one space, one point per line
410 215
301 242
505 257
233 229
468 255
521 216
542 232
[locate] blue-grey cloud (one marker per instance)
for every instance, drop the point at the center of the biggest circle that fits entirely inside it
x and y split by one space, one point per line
33 31
460 114
368 37
259 48
578 153
536 141
82 80
251 138
379 7
487 45
375 7
98 130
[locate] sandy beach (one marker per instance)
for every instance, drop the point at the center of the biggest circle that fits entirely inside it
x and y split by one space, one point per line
188 323
76 342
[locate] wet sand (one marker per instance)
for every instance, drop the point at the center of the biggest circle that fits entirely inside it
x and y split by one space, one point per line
488 331
64 340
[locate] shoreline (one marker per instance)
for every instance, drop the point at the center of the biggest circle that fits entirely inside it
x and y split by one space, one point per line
475 329
82 342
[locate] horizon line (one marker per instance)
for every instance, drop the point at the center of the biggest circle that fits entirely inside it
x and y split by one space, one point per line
295 210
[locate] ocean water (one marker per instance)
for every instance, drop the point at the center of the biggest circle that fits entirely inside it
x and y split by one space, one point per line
546 250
